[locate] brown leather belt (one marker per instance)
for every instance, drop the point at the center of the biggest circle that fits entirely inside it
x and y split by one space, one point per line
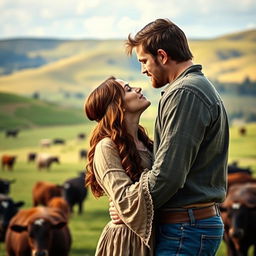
179 216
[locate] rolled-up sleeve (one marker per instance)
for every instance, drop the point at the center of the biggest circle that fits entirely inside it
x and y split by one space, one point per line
182 120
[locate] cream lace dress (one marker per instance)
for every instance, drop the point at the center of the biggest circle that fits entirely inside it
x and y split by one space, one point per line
132 201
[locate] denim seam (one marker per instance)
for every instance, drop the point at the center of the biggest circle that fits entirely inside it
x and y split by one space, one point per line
181 240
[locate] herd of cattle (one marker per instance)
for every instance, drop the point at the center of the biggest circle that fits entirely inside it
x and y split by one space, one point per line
43 229
238 211
43 160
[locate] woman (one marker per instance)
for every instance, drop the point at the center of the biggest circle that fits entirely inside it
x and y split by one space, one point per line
120 154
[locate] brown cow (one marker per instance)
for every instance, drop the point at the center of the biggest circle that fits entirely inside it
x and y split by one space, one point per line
8 160
239 216
43 192
45 161
38 231
61 204
240 178
242 131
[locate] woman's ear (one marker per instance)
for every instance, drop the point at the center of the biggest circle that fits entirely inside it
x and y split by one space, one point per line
162 56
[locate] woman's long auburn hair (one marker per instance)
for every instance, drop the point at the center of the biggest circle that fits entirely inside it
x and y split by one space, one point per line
106 106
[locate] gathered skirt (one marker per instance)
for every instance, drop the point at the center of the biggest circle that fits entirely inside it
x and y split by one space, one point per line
119 240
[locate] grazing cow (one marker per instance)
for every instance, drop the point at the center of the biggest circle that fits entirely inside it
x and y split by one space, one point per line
61 204
12 133
242 131
8 208
39 231
58 141
240 178
8 160
234 168
239 216
43 192
81 136
5 186
75 192
45 161
45 143
32 157
83 154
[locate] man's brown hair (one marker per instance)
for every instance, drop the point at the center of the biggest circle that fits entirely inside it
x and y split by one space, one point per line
161 34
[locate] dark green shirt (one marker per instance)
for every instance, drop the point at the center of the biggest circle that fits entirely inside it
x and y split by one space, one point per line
190 143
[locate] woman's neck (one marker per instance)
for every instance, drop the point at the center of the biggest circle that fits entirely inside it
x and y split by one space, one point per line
132 124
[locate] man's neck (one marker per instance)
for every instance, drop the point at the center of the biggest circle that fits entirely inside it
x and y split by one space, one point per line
177 68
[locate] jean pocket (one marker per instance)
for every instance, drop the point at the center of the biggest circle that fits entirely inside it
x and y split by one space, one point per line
172 233
209 245
167 242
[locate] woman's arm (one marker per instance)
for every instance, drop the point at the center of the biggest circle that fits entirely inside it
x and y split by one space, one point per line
132 200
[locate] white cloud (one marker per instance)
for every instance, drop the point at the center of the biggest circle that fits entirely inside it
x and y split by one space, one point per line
100 27
251 26
116 19
46 13
83 6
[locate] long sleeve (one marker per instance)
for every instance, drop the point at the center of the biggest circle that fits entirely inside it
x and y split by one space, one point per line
132 200
182 119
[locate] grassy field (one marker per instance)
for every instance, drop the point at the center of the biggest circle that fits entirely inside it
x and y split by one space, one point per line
23 112
86 228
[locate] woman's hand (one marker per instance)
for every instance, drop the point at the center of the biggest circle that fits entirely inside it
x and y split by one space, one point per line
114 214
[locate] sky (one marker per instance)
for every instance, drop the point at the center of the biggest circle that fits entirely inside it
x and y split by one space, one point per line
107 19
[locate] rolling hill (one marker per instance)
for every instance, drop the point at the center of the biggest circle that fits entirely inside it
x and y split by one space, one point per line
22 112
52 66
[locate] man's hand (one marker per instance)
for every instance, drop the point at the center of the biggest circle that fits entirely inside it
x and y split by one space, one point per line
114 214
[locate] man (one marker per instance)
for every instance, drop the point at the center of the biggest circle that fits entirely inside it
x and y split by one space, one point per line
188 177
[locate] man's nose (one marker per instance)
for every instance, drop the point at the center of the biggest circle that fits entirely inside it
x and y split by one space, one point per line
143 70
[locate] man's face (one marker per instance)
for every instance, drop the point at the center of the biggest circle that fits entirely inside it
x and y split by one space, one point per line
151 67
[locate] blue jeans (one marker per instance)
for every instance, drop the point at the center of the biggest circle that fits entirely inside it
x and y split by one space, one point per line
197 238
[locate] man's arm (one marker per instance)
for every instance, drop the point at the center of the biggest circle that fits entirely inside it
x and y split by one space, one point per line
183 120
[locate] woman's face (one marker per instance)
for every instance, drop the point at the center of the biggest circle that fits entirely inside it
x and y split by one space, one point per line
135 101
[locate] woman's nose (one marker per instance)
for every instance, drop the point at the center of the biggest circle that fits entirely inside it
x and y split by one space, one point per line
138 89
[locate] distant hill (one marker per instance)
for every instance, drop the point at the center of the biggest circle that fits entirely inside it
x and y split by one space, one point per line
18 111
52 67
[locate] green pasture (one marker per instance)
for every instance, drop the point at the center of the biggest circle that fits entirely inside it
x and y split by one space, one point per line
86 228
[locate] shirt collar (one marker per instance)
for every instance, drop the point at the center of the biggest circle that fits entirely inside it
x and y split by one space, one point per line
191 69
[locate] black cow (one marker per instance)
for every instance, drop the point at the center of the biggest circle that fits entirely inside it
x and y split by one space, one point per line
234 168
5 186
32 156
81 136
75 192
83 154
59 141
12 133
239 216
8 208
